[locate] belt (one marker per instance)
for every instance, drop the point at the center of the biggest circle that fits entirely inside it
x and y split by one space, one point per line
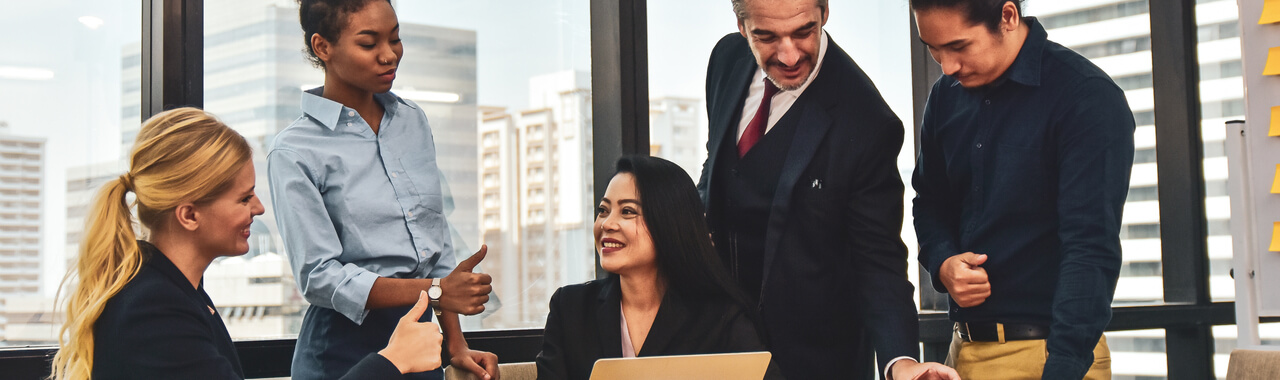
1000 332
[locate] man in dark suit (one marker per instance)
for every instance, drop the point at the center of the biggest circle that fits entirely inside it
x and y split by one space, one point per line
804 198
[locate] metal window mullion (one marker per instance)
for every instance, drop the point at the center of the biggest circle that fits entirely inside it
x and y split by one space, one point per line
1183 223
172 55
619 87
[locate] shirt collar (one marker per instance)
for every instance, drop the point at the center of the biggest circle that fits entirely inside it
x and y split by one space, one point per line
1026 68
329 112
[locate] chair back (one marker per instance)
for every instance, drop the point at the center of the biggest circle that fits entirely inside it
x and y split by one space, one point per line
1252 365
510 371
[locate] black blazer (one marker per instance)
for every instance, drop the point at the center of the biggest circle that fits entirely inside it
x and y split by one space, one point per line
159 327
584 325
835 268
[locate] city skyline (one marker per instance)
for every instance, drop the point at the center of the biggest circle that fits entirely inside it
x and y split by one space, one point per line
256 96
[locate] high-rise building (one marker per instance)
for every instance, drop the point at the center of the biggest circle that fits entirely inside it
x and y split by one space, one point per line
21 220
28 320
256 296
536 186
83 184
1115 35
677 133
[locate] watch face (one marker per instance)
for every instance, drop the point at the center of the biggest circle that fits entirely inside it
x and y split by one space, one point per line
434 292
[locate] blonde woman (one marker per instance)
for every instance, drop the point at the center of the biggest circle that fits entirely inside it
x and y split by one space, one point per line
139 309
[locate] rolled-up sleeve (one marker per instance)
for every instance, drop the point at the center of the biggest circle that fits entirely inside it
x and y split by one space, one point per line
311 239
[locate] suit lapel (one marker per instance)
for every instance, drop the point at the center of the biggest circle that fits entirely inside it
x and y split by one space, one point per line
810 131
609 319
725 109
671 314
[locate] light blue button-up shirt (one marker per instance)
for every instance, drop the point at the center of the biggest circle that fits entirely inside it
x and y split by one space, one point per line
353 205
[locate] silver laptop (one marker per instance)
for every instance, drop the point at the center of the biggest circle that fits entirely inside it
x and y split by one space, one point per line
737 366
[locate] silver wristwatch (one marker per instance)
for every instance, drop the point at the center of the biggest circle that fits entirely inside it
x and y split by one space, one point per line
433 294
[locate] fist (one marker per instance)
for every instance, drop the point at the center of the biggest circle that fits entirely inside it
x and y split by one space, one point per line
965 279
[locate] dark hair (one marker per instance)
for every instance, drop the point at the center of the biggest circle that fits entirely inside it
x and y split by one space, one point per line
672 211
327 18
985 12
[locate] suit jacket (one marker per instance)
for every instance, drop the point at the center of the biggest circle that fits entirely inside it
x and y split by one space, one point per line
835 268
584 325
160 327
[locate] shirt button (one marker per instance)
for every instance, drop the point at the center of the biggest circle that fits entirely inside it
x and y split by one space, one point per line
348 124
351 113
393 175
410 214
424 252
979 145
988 101
977 188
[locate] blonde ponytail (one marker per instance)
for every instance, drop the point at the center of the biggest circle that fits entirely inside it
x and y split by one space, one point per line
181 155
109 258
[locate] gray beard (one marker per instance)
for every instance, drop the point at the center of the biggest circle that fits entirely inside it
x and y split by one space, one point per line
788 88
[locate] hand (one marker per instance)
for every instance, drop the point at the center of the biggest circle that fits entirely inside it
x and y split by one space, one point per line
480 363
414 346
464 292
911 370
965 279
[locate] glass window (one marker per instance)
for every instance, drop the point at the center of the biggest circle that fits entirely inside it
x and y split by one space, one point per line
1221 100
528 69
69 84
1138 354
489 79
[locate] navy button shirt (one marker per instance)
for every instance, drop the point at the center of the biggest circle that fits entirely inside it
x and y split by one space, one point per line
1031 170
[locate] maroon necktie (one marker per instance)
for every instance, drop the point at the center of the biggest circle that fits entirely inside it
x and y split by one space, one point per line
755 129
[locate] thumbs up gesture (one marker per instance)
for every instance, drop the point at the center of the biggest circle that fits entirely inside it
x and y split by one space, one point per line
414 346
463 291
966 279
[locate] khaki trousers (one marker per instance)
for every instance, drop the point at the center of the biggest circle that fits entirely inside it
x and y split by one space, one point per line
1015 359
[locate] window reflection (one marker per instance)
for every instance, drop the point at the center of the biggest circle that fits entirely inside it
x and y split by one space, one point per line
63 99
